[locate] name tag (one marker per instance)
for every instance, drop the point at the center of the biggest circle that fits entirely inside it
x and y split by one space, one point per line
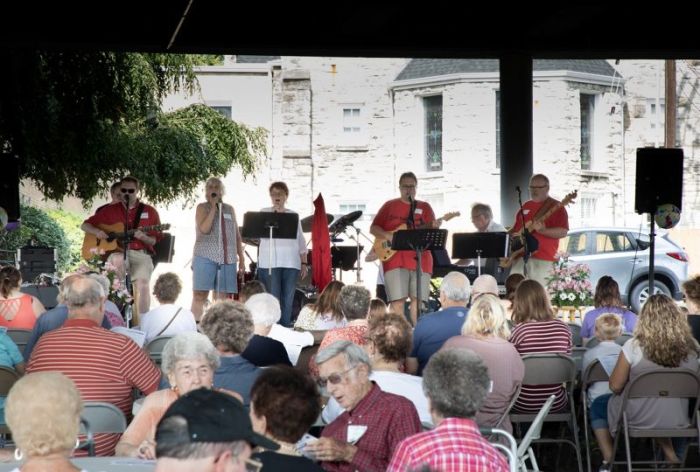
525 211
144 215
227 216
355 432
419 211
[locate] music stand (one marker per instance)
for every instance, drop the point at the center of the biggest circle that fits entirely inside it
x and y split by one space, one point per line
269 225
419 240
478 245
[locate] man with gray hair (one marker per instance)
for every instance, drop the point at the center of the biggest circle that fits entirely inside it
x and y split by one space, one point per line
374 422
456 381
433 329
104 365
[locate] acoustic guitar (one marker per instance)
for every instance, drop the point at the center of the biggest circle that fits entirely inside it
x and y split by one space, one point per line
116 234
526 232
382 247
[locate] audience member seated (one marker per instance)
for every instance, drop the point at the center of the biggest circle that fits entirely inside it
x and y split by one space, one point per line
284 405
377 306
512 282
354 303
433 329
252 287
112 312
104 365
538 331
167 319
207 431
662 339
229 326
456 381
17 310
607 300
189 362
262 350
486 333
483 284
9 357
266 308
325 313
43 413
388 344
691 293
608 327
55 317
374 422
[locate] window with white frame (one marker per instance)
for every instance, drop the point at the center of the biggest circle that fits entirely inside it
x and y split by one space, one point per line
587 130
349 207
223 109
432 131
588 205
353 122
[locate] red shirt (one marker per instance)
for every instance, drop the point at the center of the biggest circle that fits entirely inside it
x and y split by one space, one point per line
393 214
389 419
105 367
548 246
114 213
455 445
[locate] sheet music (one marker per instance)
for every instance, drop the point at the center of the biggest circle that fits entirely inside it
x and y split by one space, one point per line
138 336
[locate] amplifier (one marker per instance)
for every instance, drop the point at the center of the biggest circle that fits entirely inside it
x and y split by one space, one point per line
35 260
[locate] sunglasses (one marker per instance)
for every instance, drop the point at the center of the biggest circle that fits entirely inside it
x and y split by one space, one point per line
334 378
128 190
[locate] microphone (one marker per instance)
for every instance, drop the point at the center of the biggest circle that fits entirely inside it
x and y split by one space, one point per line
517 187
214 195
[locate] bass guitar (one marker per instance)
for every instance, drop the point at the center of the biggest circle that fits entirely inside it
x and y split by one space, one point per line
527 231
382 247
93 245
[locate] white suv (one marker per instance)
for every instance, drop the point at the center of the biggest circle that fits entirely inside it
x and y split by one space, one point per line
623 254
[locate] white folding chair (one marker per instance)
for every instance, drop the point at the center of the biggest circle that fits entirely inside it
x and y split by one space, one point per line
511 451
524 451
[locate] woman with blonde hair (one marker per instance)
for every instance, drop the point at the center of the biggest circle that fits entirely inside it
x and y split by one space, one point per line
538 331
325 313
662 339
43 413
486 332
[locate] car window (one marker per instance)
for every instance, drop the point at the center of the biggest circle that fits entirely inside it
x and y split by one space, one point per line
574 244
612 242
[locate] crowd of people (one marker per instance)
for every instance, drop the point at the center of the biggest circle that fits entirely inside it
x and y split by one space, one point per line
386 390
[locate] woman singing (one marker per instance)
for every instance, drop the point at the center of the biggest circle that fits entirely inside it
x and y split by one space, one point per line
288 258
215 250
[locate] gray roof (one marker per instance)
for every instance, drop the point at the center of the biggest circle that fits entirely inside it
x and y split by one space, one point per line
419 68
255 59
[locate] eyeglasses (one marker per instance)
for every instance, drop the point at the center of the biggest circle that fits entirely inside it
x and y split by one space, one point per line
128 190
537 186
408 187
334 378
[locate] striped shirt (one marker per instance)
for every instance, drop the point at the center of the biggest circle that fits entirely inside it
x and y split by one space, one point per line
551 336
455 445
104 365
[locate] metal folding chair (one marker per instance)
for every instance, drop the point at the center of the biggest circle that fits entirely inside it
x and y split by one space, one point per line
550 369
593 373
8 377
621 340
511 451
524 451
155 346
20 337
99 418
575 334
662 383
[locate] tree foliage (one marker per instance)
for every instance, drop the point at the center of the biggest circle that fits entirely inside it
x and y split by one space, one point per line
79 121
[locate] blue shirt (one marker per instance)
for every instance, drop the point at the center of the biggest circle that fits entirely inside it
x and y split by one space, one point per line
50 320
629 320
238 374
433 329
9 357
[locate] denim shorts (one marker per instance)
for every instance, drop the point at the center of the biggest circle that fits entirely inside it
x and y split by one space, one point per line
208 275
599 412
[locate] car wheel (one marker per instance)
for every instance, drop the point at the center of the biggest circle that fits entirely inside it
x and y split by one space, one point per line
640 293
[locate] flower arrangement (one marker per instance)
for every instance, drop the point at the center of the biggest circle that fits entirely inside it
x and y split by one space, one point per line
569 285
97 263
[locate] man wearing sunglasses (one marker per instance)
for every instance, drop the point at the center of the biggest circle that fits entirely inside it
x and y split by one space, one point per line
374 422
130 213
547 232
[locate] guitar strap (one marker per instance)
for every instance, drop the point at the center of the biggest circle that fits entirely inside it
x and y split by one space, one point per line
546 206
139 210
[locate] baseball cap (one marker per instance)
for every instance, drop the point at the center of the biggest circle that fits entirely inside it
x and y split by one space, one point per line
215 417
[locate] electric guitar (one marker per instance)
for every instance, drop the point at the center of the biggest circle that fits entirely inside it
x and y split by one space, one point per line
382 247
517 254
92 244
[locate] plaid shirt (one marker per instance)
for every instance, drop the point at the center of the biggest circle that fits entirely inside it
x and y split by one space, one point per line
454 446
389 419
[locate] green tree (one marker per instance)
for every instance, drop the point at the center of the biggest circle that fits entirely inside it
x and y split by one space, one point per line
77 121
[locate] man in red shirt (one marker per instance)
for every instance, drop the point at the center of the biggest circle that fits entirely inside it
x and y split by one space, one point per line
104 365
547 231
132 214
400 269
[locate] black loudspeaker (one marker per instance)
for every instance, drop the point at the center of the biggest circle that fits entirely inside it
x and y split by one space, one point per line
164 249
36 260
9 186
659 179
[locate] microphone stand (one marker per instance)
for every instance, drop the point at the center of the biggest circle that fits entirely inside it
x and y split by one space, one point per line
526 255
127 273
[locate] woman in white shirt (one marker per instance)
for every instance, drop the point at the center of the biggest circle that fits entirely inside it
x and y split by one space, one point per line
325 313
286 258
167 319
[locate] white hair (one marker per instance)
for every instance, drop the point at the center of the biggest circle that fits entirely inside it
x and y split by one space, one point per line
456 287
265 309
